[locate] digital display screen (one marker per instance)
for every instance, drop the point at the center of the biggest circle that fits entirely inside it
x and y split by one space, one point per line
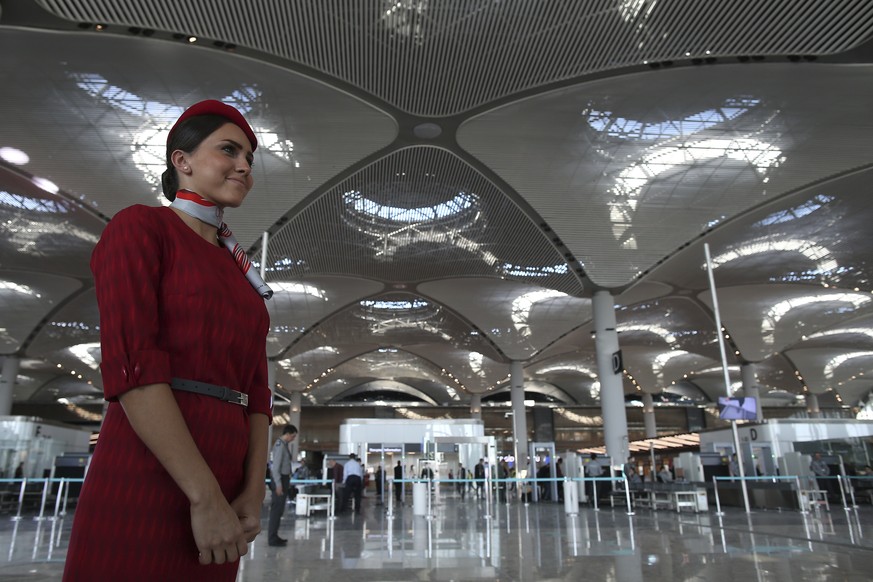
737 408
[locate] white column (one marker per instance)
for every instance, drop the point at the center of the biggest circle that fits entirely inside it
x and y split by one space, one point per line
294 418
751 388
811 405
649 416
611 388
476 406
271 378
271 382
7 384
519 414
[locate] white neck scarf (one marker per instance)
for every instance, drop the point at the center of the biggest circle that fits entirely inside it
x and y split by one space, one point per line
195 205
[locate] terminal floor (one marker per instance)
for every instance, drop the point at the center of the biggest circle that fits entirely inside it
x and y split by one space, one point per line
521 542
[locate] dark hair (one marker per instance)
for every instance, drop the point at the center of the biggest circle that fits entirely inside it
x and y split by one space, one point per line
186 137
289 429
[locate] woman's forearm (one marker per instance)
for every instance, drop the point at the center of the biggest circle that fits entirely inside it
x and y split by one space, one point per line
155 417
256 458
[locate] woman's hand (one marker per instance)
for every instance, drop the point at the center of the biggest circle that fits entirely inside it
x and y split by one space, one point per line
248 510
217 531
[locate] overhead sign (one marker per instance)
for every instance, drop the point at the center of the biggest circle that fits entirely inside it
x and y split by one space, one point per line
381 449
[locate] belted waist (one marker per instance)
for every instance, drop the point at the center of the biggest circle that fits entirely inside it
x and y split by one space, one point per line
221 392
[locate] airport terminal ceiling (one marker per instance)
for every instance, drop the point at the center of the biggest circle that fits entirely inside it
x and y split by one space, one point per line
445 185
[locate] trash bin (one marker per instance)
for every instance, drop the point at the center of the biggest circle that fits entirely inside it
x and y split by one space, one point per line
419 498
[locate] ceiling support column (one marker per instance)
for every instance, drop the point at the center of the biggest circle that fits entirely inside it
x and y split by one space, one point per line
811 404
649 416
751 388
7 384
476 406
271 382
609 370
519 414
294 418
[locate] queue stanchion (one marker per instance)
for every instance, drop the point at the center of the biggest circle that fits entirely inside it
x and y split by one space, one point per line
718 510
842 492
58 497
331 515
487 492
390 483
801 503
67 496
45 488
851 489
20 500
595 493
627 496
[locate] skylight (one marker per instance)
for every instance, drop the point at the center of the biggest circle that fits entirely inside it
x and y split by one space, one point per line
40 205
457 205
149 141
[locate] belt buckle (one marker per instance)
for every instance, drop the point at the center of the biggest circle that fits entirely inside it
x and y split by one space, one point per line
243 399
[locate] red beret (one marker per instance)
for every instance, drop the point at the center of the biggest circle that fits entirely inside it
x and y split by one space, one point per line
213 107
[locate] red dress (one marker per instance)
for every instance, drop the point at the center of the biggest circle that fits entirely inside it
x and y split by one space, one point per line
171 305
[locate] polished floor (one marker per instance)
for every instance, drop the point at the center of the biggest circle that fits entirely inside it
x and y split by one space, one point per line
521 542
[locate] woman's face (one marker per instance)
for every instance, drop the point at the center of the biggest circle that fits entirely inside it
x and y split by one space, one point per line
220 168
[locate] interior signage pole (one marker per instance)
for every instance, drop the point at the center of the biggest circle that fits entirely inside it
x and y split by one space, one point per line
727 378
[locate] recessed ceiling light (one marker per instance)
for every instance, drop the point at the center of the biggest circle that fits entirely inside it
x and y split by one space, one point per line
14 156
46 185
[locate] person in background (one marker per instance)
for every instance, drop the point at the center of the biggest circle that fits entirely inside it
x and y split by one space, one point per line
280 476
462 484
353 484
176 484
633 478
594 469
734 466
335 472
379 476
665 475
479 475
398 486
502 475
822 472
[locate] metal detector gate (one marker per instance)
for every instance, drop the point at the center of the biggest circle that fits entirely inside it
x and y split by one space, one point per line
544 451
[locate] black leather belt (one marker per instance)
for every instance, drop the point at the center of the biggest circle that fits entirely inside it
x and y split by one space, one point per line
220 392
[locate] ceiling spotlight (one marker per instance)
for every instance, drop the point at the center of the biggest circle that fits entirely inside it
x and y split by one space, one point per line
192 39
100 27
46 185
14 156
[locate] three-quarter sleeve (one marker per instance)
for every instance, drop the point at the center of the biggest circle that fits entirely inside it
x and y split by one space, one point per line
126 264
260 397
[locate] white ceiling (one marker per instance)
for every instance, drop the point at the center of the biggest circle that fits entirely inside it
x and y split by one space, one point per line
445 185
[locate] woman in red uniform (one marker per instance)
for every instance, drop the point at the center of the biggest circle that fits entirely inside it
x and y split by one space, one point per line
175 486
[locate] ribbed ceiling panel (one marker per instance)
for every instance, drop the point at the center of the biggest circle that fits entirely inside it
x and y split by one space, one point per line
394 319
76 324
520 319
418 214
629 169
436 58
793 241
25 298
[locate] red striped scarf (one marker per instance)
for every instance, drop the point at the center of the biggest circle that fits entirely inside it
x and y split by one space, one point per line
195 205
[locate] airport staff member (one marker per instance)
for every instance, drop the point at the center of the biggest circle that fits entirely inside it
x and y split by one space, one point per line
280 474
